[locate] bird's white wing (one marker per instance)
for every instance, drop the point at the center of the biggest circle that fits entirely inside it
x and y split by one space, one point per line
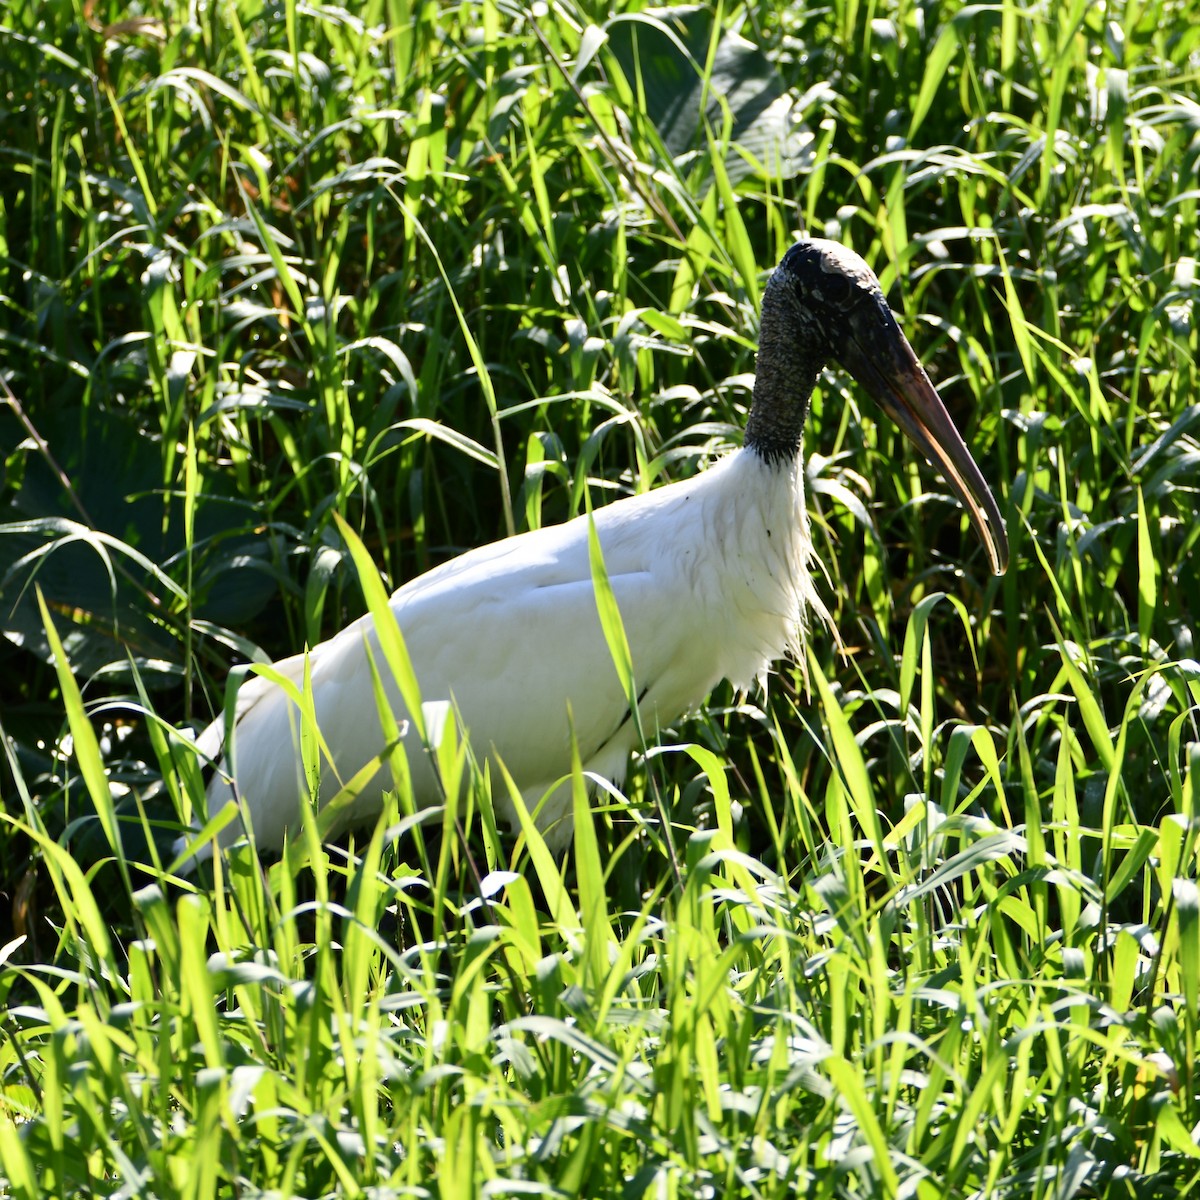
510 636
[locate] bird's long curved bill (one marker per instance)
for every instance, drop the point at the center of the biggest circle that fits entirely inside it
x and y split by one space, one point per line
883 362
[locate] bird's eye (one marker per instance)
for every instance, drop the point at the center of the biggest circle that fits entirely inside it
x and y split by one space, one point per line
835 290
826 292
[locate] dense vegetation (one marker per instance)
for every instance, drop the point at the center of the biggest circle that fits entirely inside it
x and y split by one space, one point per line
926 920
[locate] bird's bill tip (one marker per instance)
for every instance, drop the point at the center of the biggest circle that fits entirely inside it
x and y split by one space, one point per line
892 374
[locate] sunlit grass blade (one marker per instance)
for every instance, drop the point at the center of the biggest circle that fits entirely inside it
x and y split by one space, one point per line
85 746
934 933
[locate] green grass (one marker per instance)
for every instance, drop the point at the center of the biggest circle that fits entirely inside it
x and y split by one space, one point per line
926 919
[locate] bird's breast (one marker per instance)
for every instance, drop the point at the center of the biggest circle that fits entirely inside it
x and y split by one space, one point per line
733 550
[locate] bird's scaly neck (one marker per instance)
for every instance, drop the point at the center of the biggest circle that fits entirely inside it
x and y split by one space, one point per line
791 356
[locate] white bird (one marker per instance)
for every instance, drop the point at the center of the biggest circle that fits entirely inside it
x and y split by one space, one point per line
711 577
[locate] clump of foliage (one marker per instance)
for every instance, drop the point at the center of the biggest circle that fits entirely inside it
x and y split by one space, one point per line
925 920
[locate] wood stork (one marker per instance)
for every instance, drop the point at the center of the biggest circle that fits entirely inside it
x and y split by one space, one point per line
711 576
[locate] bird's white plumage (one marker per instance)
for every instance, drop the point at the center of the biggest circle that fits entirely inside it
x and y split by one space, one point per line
711 578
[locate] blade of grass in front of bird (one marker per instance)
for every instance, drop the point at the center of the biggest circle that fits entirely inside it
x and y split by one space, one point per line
562 911
609 615
387 629
589 878
613 627
395 756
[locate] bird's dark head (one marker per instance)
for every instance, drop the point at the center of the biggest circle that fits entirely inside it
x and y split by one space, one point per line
833 287
825 297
